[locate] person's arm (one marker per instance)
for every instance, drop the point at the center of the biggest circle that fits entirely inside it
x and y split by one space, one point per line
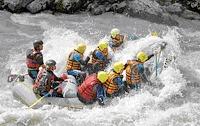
118 81
118 44
150 56
134 37
113 44
39 59
57 78
78 58
100 92
140 70
99 55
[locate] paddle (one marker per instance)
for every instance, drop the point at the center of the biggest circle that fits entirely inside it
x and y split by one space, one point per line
157 58
46 95
156 61
134 37
14 77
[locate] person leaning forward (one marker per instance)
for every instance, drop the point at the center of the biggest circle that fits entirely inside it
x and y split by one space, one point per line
116 41
92 88
135 71
114 86
100 57
75 60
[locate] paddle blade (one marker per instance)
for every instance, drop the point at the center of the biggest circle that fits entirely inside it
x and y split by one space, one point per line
154 33
11 78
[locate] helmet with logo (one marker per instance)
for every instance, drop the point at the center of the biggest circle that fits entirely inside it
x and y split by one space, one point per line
50 63
142 56
114 32
102 76
37 43
118 66
81 48
103 45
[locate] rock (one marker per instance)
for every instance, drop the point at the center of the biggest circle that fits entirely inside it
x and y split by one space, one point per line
150 11
175 8
38 5
17 6
190 15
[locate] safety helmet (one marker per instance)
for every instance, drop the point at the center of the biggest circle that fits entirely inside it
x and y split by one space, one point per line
114 32
142 56
37 43
63 76
81 48
103 45
50 63
102 76
118 66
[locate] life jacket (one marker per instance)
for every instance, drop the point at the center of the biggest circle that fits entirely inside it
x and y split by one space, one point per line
43 74
86 88
117 41
73 64
95 59
109 85
31 61
131 76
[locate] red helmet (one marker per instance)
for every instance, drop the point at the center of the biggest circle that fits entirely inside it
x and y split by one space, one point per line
63 76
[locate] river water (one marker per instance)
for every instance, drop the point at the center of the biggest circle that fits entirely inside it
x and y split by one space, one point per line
175 102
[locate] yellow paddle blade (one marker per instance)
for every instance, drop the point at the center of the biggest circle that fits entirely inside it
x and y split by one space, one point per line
154 33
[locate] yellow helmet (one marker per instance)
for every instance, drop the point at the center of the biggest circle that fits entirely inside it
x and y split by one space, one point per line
103 45
81 48
114 32
102 76
118 66
142 56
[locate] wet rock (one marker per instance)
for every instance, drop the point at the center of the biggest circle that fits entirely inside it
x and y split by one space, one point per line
150 11
38 5
190 15
1 4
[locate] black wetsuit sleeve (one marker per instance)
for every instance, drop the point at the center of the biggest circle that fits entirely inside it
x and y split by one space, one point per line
39 59
150 56
57 78
84 62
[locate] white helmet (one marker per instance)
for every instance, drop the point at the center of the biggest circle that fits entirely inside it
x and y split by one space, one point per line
114 32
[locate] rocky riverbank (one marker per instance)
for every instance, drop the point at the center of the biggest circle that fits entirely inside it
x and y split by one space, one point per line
158 11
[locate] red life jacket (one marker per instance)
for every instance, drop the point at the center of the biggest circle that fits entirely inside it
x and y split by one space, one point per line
31 61
86 88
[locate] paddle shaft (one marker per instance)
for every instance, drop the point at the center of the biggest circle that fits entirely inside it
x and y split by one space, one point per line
45 95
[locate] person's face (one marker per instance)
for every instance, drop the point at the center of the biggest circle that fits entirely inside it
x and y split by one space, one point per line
117 36
41 47
53 68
